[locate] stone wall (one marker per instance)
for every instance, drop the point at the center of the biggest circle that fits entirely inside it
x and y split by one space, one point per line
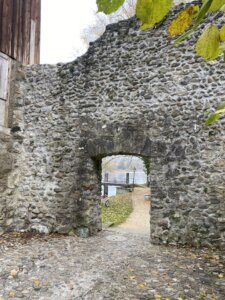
11 152
6 166
135 93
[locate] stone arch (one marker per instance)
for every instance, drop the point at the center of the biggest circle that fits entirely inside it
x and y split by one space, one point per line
132 92
167 156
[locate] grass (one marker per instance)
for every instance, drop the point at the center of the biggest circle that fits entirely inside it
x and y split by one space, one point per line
119 209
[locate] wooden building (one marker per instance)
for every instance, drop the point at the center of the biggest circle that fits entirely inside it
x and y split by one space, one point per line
20 29
19 41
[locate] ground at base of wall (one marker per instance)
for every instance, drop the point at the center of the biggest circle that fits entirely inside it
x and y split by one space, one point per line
117 209
111 265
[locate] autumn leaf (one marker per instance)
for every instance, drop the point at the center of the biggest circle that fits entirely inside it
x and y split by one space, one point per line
208 43
109 6
37 281
142 285
182 21
12 294
202 294
14 273
182 296
131 270
151 12
220 275
131 277
199 17
157 296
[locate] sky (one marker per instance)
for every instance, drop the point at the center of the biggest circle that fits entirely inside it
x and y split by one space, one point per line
62 22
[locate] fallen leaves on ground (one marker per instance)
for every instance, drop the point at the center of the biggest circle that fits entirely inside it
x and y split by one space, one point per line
142 285
37 282
14 273
120 207
12 294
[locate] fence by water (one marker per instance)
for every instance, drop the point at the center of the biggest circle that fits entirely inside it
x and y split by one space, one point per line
138 177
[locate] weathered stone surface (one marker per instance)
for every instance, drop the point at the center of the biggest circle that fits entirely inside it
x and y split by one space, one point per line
131 93
112 265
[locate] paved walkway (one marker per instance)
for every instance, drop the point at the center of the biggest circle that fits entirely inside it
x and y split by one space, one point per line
139 220
111 265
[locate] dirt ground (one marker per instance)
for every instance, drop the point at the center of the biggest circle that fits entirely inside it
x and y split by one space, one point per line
111 265
118 264
139 220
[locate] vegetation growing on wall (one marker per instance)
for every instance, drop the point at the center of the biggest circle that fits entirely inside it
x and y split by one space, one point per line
146 163
211 42
219 112
209 45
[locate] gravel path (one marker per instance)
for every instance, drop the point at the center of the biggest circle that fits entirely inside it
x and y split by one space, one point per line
111 265
117 264
139 220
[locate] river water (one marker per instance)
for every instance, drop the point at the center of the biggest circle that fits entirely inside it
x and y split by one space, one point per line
138 177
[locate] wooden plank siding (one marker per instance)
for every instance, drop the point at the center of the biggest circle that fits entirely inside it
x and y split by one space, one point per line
20 29
4 88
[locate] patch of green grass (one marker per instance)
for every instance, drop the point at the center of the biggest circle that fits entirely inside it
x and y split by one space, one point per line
119 209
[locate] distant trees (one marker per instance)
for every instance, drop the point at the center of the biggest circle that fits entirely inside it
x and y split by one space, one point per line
123 163
96 29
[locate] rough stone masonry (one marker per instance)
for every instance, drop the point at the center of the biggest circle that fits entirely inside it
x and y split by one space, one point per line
135 93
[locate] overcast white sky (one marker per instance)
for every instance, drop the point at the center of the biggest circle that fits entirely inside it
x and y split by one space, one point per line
61 24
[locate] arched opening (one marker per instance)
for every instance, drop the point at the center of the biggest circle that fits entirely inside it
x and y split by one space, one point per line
125 192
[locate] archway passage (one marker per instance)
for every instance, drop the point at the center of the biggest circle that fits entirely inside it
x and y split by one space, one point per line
125 181
133 94
139 220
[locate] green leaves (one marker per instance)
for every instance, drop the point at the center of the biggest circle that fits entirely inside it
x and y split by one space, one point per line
208 43
212 119
216 5
151 12
211 43
222 33
109 6
200 16
203 11
221 106
220 111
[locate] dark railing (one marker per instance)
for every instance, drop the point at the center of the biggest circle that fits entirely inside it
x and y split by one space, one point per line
106 183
